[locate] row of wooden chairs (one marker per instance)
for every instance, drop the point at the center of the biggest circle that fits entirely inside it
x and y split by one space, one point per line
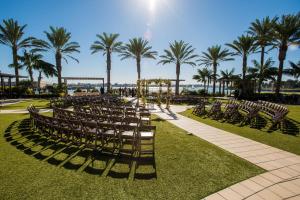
116 111
215 111
104 135
231 113
275 111
251 110
247 110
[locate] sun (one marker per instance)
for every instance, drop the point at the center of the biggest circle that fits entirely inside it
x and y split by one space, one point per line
152 5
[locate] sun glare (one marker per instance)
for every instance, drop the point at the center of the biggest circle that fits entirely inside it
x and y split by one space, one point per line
152 5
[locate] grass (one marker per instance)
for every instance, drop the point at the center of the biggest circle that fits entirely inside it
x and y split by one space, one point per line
186 168
294 113
39 103
288 142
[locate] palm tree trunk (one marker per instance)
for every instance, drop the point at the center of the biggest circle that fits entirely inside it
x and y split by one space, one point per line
220 87
244 67
244 74
262 59
208 82
108 62
177 78
223 91
204 86
30 76
215 76
138 65
15 62
39 81
281 57
58 67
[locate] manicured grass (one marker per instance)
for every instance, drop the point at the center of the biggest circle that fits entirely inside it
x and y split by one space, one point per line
294 113
39 103
288 142
186 167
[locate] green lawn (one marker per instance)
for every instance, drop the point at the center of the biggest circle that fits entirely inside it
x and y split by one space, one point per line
39 103
288 142
186 167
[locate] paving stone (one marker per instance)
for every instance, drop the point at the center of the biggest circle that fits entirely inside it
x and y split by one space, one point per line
254 197
268 195
295 167
291 186
215 196
255 187
241 190
281 191
271 177
295 198
261 181
230 194
281 174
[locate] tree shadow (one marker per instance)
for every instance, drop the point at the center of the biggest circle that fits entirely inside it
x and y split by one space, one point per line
70 156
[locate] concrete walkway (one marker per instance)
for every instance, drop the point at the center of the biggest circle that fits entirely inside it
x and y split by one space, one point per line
22 111
282 181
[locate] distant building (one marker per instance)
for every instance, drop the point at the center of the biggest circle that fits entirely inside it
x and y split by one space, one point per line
43 84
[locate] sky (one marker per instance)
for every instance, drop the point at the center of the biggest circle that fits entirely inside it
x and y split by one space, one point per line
201 23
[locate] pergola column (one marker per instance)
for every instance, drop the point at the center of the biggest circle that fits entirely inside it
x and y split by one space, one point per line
2 84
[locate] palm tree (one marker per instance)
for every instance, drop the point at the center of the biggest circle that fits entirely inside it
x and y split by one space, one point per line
137 48
226 76
11 34
262 31
47 69
34 61
30 61
286 32
180 53
107 44
59 41
253 74
243 47
202 76
294 70
213 57
264 72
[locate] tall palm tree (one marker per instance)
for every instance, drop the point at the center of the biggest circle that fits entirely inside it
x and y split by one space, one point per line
262 31
243 46
107 44
11 34
286 32
212 58
137 48
180 53
59 42
226 76
294 70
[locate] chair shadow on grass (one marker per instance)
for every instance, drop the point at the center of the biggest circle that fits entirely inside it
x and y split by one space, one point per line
77 158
